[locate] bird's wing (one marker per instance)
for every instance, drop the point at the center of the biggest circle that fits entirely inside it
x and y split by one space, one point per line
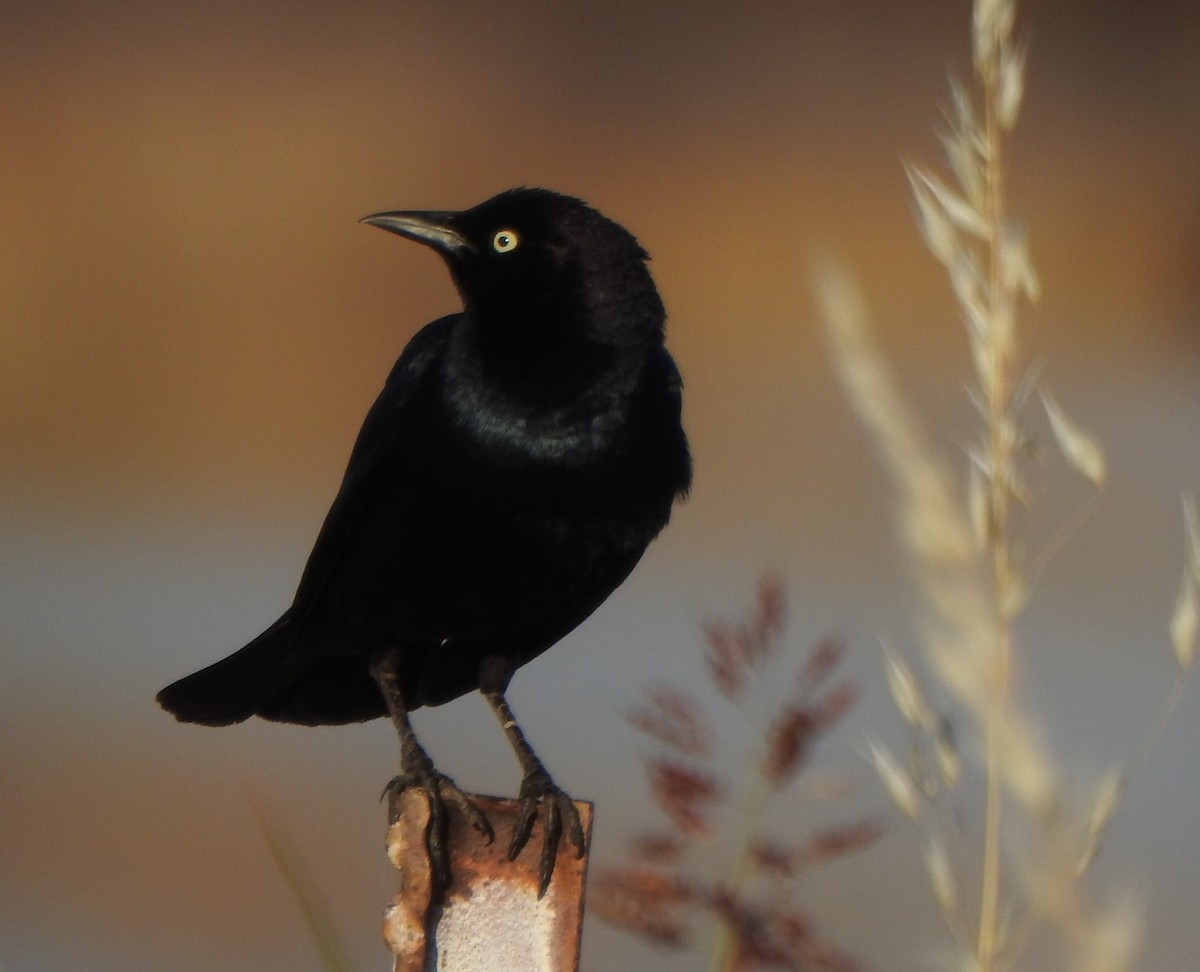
375 447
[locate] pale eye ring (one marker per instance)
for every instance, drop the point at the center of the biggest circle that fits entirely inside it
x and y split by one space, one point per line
505 241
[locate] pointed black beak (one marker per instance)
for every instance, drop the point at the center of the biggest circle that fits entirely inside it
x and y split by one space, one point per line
433 229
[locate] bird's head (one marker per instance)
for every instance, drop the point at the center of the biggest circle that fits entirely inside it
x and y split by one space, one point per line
538 264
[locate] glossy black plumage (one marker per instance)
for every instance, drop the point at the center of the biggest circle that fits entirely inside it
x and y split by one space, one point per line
519 459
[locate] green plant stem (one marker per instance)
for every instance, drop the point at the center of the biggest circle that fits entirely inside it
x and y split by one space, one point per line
317 916
989 908
1000 459
755 792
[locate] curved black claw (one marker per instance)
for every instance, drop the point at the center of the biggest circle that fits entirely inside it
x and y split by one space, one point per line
440 790
538 789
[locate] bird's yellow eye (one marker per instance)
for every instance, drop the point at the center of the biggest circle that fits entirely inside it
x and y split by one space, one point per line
505 241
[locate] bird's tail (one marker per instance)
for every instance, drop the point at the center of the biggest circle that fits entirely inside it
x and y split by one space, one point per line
237 687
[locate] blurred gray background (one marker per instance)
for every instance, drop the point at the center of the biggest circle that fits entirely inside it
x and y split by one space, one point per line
192 326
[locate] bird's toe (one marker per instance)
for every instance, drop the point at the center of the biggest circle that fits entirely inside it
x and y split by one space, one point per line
440 792
539 790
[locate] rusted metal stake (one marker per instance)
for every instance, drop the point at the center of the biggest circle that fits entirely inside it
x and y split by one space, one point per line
491 918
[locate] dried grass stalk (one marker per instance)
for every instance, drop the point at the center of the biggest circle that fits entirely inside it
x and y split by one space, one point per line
966 547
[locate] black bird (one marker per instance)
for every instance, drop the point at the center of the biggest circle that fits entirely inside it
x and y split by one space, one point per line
521 456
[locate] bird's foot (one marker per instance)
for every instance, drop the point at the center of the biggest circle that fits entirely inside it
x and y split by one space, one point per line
537 788
440 790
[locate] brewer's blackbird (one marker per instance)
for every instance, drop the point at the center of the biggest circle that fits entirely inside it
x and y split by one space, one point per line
521 456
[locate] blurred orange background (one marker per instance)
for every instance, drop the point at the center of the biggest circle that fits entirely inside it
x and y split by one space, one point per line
192 325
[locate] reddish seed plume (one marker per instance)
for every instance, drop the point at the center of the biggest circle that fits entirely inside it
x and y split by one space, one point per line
797 728
685 794
675 719
646 901
838 841
658 848
726 658
660 895
790 740
825 657
767 936
835 705
771 614
733 649
774 859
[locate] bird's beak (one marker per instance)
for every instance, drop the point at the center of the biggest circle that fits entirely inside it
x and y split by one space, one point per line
432 229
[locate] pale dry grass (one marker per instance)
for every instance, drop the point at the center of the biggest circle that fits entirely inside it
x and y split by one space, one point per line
968 545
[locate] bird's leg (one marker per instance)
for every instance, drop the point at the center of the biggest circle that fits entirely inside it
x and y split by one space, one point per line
537 787
417 770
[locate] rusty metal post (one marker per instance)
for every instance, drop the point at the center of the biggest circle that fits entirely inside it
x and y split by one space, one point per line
491 918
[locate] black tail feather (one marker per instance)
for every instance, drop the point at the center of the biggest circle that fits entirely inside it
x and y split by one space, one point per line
237 687
271 678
